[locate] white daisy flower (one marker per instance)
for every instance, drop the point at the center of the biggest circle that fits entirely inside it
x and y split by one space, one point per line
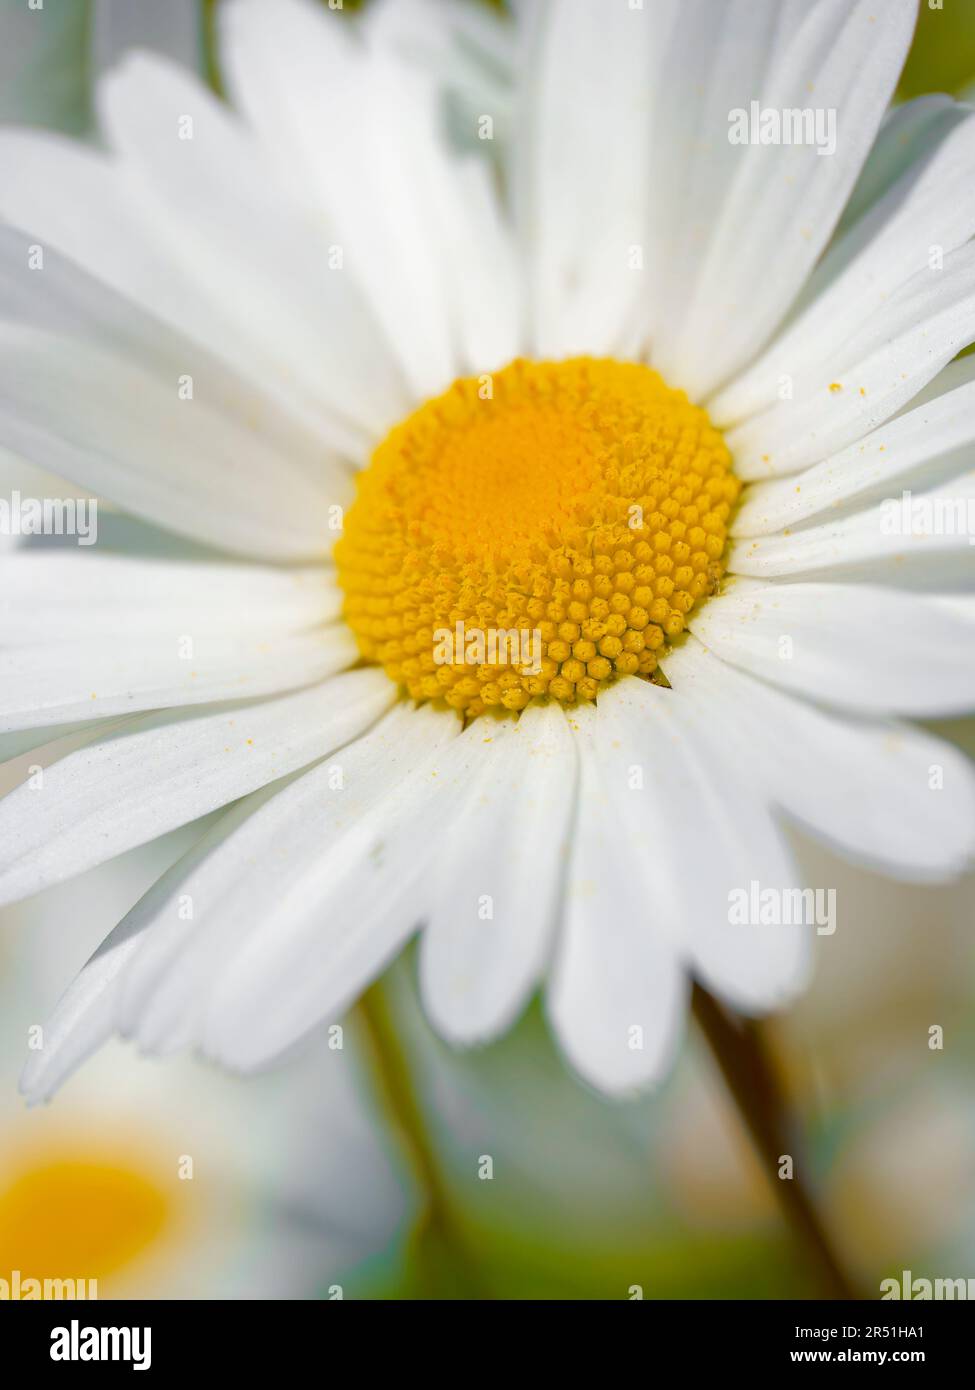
639 388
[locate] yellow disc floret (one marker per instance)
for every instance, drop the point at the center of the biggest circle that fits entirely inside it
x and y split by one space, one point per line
536 532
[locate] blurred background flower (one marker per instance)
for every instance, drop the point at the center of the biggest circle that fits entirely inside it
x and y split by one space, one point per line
168 1179
309 1179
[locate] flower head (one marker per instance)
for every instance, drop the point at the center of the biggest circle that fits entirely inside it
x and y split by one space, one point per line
622 383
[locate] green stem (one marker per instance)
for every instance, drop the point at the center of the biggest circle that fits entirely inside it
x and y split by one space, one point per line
446 1265
743 1058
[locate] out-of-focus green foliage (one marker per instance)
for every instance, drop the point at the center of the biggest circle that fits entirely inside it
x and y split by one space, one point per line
43 73
942 58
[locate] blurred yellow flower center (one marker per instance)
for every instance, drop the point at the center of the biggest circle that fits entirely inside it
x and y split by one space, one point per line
536 532
74 1218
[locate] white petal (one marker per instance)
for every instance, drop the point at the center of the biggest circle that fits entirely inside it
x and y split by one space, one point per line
931 205
859 647
313 860
88 1012
165 919
82 1021
909 136
17 475
297 72
508 843
71 198
907 539
480 267
581 168
930 441
347 914
56 597
442 31
176 253
465 50
867 789
774 207
713 62
617 991
164 771
468 46
296 320
122 426
704 831
77 204
80 680
840 398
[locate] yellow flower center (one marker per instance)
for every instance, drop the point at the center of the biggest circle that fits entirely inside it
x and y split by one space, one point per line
78 1216
536 532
